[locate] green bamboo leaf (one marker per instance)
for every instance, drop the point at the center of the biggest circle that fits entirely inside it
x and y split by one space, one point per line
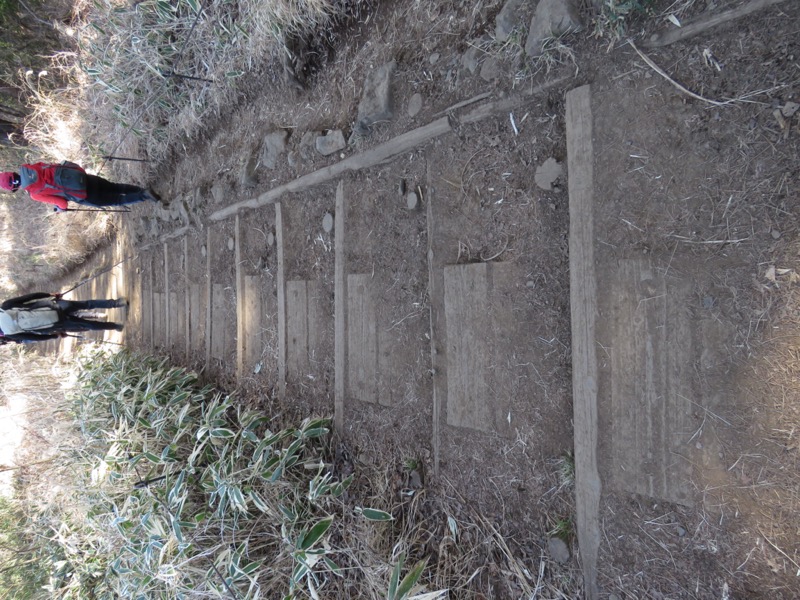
315 433
152 457
316 532
394 580
259 502
221 432
410 580
177 529
335 569
373 514
338 488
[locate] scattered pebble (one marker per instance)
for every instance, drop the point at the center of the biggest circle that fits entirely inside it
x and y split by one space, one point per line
548 173
414 105
203 250
434 58
412 201
775 234
270 239
681 531
327 223
558 549
231 243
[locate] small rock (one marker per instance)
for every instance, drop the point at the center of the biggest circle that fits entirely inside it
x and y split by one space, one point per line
291 158
272 147
412 201
327 222
490 70
471 59
558 549
506 20
330 143
249 172
308 143
681 531
775 234
434 58
218 191
415 480
401 187
231 243
552 18
270 239
548 173
708 302
414 105
203 250
376 100
789 109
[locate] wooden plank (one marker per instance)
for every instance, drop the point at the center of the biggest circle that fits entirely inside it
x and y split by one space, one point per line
241 324
253 318
281 303
466 300
297 363
583 305
707 21
219 328
197 318
187 307
362 339
652 371
340 309
168 341
382 152
159 320
146 304
208 297
173 313
436 314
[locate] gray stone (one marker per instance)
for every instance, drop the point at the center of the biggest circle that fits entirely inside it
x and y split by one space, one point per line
332 142
553 18
308 144
506 20
548 173
376 100
414 105
291 158
270 239
471 58
434 58
490 70
327 223
249 172
681 531
272 147
218 191
231 244
558 549
203 250
412 201
415 480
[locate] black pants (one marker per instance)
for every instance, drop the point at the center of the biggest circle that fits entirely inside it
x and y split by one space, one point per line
101 192
70 322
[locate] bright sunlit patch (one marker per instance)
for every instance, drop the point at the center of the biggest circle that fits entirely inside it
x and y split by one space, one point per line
12 423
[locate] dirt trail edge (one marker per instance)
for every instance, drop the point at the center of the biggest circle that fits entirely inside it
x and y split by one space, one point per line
386 151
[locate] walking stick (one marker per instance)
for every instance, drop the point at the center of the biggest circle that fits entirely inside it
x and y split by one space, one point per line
108 210
88 279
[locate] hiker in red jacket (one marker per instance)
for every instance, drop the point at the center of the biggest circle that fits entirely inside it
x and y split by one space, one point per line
68 182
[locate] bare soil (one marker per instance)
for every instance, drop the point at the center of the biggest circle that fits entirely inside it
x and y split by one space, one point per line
710 192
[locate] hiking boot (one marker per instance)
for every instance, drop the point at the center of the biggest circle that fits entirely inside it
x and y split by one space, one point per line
121 303
118 326
153 197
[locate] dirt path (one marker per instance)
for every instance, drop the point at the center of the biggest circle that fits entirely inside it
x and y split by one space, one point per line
431 286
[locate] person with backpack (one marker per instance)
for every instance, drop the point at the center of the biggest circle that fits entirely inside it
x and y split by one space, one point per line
42 316
59 184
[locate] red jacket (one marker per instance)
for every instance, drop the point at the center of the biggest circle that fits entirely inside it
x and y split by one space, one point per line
45 188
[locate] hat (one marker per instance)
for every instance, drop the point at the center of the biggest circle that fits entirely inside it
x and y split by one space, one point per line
9 181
